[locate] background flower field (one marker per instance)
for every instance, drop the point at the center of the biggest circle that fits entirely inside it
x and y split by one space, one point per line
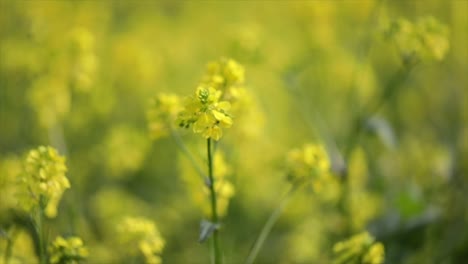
378 89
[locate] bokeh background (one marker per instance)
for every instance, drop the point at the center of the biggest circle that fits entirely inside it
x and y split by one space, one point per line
79 75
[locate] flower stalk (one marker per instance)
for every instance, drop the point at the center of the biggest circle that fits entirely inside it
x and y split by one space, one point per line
216 250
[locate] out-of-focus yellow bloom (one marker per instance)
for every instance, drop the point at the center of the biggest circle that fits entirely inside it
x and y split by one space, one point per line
67 250
140 237
128 147
427 39
206 113
224 73
359 249
362 203
310 161
162 114
200 193
43 180
84 59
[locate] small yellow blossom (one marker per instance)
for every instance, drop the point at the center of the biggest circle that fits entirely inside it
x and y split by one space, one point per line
43 180
427 39
205 113
67 250
224 73
162 114
310 161
140 237
359 249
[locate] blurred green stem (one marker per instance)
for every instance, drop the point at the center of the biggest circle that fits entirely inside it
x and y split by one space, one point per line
390 90
266 229
214 214
180 144
40 228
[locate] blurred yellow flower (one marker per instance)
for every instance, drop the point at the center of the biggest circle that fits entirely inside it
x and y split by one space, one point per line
424 40
310 161
43 180
224 73
139 236
67 250
359 249
162 114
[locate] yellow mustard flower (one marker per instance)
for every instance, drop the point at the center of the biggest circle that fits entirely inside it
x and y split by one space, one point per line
224 73
67 250
359 249
139 236
310 161
205 113
162 114
427 39
43 180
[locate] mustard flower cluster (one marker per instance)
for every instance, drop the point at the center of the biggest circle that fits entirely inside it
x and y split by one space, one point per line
67 250
224 74
162 114
359 249
43 180
206 113
424 40
310 161
84 60
140 237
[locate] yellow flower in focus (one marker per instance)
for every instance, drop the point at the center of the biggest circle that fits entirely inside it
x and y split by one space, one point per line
206 114
162 114
139 236
67 251
359 249
43 180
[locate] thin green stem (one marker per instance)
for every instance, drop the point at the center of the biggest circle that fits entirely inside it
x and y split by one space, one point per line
214 213
40 228
266 229
180 144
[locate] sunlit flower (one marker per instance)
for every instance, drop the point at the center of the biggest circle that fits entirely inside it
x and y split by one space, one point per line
205 113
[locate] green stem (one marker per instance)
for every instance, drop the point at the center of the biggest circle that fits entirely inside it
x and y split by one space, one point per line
41 233
214 214
266 229
180 144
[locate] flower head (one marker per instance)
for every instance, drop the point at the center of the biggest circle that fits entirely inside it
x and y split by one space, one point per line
140 237
310 161
162 114
427 39
67 250
205 113
43 180
360 248
224 73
